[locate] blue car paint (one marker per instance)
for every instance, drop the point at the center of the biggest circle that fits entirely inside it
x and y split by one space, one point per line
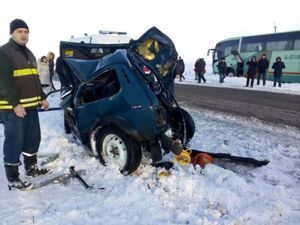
135 103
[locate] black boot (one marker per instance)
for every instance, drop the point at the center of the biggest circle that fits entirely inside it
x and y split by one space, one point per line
31 167
14 182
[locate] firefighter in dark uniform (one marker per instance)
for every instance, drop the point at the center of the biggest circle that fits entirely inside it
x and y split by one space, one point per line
20 95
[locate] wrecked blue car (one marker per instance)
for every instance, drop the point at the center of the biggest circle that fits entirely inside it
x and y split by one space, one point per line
120 101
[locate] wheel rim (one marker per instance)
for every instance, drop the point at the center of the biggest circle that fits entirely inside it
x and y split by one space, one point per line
114 151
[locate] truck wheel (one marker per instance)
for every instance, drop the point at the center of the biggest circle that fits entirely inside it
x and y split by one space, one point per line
115 148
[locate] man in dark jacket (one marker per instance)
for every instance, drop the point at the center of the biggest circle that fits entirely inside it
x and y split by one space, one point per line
200 69
20 95
263 65
278 66
222 67
252 70
180 68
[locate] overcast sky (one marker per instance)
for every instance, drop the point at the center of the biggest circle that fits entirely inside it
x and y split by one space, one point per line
193 25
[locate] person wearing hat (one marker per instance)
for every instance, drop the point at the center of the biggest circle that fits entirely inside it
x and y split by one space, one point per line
278 66
20 95
263 65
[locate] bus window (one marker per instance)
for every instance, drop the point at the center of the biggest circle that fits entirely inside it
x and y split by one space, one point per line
251 47
297 45
276 45
253 44
289 45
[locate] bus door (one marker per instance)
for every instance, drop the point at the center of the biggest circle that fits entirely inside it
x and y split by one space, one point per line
215 56
240 63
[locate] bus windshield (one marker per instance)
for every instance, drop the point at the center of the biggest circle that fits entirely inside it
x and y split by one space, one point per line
224 48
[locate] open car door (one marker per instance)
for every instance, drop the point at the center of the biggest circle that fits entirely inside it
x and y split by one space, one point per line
156 51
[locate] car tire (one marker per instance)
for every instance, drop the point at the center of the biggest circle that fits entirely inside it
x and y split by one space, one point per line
184 132
189 125
116 148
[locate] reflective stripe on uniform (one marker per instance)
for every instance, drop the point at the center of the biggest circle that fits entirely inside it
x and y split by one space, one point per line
30 99
27 102
25 72
12 164
3 102
28 154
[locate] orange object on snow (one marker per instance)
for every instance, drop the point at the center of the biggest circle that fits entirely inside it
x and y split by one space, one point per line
202 159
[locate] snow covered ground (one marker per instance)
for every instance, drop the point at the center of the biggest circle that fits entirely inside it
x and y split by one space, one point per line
237 195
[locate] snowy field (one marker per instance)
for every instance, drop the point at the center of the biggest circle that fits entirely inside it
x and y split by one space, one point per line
235 195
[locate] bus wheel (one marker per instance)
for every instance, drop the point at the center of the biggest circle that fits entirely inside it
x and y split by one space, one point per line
230 73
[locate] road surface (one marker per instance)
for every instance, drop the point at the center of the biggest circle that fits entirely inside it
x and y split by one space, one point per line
272 107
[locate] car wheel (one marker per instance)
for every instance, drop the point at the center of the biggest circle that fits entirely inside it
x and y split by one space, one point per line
116 149
189 125
184 132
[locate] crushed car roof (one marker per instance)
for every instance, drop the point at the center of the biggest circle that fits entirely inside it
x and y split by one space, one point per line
85 70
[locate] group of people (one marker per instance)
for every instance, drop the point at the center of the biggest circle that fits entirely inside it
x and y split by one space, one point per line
261 66
45 67
199 69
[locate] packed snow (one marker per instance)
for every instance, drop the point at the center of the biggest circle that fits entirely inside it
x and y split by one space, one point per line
218 194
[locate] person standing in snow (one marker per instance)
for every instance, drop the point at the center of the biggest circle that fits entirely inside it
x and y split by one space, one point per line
263 65
222 67
252 70
278 66
180 68
50 58
20 95
200 69
43 70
